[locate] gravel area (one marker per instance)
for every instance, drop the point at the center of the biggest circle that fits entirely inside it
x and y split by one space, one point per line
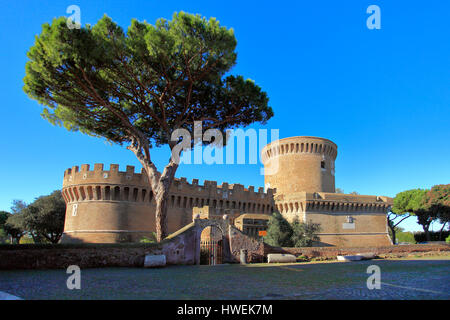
400 279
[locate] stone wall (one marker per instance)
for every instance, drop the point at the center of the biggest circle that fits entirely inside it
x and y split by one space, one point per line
332 252
180 248
64 256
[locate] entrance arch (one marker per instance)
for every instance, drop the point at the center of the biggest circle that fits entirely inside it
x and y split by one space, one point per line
211 246
211 241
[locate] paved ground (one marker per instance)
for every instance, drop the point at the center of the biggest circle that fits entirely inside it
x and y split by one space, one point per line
401 279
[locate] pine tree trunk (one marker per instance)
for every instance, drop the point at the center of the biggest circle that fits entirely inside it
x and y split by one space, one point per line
392 228
440 232
394 236
160 183
161 192
161 215
427 233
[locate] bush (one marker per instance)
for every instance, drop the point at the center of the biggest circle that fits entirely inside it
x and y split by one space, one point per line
448 239
434 236
304 234
26 240
302 258
405 237
281 233
3 236
149 239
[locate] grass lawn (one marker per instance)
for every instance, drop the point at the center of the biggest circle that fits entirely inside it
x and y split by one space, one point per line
410 278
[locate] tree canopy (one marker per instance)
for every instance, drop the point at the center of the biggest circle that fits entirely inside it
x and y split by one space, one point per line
304 234
426 205
42 219
281 233
11 223
137 87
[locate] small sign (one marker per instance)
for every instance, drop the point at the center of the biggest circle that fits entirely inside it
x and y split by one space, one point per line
348 225
262 233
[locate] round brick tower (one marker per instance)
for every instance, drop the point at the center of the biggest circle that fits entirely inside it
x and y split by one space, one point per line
106 206
300 164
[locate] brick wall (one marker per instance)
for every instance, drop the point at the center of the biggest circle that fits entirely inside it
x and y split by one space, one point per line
332 252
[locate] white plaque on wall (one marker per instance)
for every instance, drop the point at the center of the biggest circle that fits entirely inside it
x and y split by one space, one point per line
348 225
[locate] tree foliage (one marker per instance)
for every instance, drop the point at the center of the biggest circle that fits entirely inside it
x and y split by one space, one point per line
281 233
304 234
11 225
438 202
410 203
427 205
137 87
3 233
43 219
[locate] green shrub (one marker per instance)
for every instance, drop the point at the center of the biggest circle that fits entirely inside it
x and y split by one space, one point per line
149 239
405 237
3 236
281 233
448 239
302 258
26 240
434 236
304 234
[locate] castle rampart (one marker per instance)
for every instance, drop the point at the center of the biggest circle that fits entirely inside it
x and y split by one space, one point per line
113 206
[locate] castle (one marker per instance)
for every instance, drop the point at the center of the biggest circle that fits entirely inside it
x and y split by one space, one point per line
107 206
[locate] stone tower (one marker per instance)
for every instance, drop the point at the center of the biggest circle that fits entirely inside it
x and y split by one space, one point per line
301 170
300 164
106 206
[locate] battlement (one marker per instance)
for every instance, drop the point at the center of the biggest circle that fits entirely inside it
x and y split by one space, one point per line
331 202
302 145
84 176
77 176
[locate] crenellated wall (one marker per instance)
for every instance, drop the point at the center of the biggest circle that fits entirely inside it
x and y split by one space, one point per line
115 206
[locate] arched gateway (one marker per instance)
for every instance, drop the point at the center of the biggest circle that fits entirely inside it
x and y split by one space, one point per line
184 246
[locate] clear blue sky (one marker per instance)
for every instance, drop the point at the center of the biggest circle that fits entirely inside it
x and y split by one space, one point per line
383 96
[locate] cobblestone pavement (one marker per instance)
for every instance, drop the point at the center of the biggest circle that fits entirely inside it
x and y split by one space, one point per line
401 279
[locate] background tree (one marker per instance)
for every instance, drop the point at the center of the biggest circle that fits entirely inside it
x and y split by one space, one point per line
3 234
402 236
340 190
438 202
279 231
136 88
13 225
43 219
393 220
304 234
413 202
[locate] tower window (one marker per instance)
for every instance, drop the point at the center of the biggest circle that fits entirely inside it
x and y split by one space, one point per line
322 164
